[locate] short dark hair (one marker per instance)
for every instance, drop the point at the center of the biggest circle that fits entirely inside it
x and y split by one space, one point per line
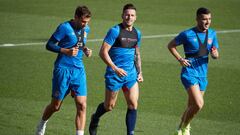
202 10
83 11
129 6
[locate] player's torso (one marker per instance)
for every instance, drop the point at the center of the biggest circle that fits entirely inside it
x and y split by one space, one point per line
192 43
122 51
69 40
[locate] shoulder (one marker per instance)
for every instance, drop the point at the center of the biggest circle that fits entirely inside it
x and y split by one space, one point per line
64 26
115 29
138 31
211 31
87 29
188 32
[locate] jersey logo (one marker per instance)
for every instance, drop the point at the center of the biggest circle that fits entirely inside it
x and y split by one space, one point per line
210 41
129 40
85 34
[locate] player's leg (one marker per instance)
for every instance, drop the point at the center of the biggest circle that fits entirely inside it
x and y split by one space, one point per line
78 88
131 96
108 105
49 110
195 104
112 84
59 91
80 119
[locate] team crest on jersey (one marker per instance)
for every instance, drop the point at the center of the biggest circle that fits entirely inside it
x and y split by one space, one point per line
209 41
85 34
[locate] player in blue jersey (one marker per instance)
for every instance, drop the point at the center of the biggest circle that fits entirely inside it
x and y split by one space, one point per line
120 52
69 76
197 42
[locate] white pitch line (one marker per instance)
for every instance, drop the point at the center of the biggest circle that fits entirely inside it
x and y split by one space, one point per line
97 40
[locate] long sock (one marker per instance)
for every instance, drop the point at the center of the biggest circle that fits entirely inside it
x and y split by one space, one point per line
131 118
79 132
43 123
100 111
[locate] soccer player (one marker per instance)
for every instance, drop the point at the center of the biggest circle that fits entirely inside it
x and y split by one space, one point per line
197 42
69 42
120 52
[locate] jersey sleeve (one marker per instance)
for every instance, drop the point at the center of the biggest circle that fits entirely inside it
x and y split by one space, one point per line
86 32
215 41
180 38
59 33
139 38
111 35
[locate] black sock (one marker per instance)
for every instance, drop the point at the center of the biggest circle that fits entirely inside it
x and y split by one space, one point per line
100 111
131 118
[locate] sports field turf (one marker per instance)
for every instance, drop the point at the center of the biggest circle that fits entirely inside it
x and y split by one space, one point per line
26 67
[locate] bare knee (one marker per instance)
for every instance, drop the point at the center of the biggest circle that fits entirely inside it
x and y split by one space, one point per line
81 107
109 107
198 106
133 105
55 108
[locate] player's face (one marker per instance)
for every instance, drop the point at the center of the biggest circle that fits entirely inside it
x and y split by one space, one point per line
204 21
129 17
82 21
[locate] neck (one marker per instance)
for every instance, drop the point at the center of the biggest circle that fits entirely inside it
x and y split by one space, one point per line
75 25
201 29
128 28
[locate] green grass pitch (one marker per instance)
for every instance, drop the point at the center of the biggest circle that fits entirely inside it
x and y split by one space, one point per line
26 69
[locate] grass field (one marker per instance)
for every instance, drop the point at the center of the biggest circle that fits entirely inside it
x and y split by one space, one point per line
26 68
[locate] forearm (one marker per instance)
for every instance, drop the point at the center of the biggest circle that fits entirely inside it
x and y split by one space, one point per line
172 48
107 60
52 45
138 62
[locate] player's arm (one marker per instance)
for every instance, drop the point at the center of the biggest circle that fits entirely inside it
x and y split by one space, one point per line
87 51
214 53
138 65
106 58
52 45
172 47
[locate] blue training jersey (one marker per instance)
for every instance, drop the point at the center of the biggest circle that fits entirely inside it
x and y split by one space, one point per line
65 35
122 57
191 45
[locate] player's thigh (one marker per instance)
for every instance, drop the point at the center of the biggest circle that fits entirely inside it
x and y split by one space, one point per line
81 102
78 83
195 96
60 83
132 95
110 98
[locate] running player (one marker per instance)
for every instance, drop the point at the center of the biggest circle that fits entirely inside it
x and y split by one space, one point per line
120 52
197 42
69 42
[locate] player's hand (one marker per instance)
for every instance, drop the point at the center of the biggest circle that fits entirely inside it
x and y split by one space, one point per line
120 72
70 52
214 52
74 51
140 77
87 52
184 62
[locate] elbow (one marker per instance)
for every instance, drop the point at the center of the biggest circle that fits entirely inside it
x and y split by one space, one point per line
47 47
101 54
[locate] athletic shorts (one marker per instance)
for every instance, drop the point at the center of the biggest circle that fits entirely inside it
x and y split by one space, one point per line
189 81
66 79
114 83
